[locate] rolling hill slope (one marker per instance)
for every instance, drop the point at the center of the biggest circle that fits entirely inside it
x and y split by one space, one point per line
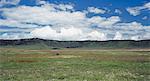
42 43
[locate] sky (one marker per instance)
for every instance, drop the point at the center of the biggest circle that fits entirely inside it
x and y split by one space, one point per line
75 20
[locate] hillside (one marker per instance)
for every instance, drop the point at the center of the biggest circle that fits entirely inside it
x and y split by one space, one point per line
36 42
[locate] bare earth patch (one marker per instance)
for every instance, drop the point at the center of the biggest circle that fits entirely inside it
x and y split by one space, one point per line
45 56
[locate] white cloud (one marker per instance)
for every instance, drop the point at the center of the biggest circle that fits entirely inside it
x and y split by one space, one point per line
134 11
147 5
58 6
135 37
110 21
130 26
118 36
132 30
137 10
67 34
59 17
26 14
95 35
104 22
96 10
8 2
14 23
65 7
146 36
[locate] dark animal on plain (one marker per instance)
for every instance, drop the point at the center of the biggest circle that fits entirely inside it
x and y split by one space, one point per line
57 54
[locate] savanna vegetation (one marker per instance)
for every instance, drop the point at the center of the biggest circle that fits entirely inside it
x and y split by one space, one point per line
17 64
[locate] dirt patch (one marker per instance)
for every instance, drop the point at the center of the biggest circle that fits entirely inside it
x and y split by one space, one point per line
64 56
45 56
28 61
24 61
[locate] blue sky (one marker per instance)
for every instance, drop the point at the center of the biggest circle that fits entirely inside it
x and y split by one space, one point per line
75 19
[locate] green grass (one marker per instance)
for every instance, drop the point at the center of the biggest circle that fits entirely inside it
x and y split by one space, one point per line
74 65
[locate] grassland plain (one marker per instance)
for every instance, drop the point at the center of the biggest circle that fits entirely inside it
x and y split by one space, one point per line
74 65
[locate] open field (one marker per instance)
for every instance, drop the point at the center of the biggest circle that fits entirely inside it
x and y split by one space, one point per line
74 65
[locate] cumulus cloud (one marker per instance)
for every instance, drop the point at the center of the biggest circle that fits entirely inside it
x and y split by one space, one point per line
8 2
130 26
118 36
137 10
104 22
60 17
26 14
68 34
15 23
134 11
96 10
95 35
131 30
135 37
146 36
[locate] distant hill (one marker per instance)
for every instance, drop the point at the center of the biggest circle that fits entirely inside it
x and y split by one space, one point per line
54 44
